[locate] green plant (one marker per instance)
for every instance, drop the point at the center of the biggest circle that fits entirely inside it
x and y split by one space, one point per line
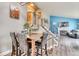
26 25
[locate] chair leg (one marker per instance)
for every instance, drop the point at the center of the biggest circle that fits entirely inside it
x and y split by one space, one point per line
46 49
37 51
41 47
19 52
13 50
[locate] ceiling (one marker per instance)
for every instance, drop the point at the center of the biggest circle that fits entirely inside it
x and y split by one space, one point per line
65 9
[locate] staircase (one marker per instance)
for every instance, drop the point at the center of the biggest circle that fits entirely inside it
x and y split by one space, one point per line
52 36
49 43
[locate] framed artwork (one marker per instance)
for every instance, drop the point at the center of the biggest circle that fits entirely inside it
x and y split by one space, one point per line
14 12
77 25
45 22
64 24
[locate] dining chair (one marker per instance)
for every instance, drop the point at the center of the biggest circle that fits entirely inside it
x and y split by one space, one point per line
29 43
44 43
38 47
15 44
21 37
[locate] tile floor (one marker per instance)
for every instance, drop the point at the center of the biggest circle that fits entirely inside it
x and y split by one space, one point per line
68 47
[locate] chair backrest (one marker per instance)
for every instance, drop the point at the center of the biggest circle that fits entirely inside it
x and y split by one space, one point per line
45 35
14 39
22 41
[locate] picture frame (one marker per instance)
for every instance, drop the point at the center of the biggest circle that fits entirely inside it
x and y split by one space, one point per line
45 22
64 24
14 12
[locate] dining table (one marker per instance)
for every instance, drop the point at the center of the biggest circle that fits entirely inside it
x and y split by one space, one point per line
34 37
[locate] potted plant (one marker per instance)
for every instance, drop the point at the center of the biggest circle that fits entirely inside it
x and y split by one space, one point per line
26 26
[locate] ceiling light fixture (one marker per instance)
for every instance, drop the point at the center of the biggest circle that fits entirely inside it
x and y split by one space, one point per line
31 4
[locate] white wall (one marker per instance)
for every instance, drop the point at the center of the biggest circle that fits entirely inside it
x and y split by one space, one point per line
70 9
8 24
47 16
